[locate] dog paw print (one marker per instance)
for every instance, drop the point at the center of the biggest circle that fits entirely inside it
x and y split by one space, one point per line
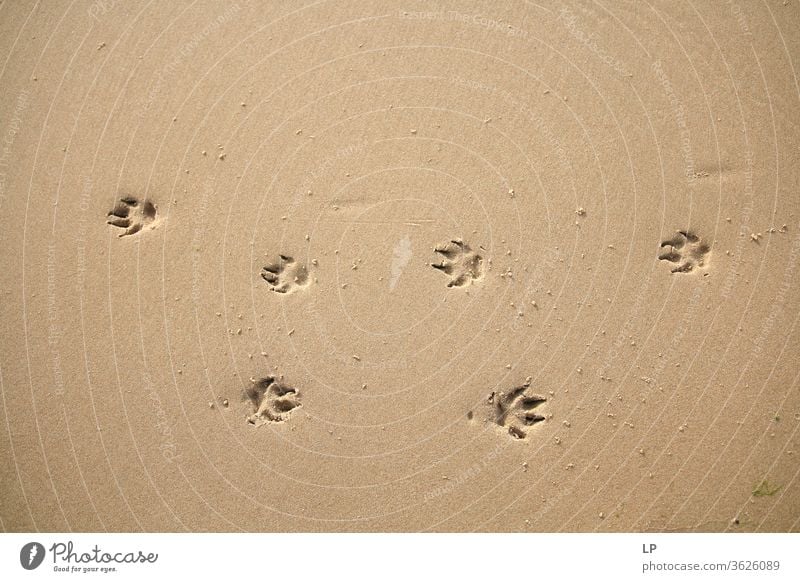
685 250
271 400
132 215
460 263
516 410
285 275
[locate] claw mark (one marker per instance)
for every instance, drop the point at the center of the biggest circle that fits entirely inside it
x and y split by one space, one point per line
516 410
272 401
285 275
686 250
132 215
460 262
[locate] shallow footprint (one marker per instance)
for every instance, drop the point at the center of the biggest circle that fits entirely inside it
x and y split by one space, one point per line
285 275
516 410
685 250
460 263
272 401
132 215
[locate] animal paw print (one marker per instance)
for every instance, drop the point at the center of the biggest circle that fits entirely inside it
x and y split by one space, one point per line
132 215
286 275
461 263
685 250
272 401
516 410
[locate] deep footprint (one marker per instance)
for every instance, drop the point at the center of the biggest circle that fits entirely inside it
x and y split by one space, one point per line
271 400
686 251
460 263
285 275
132 215
516 410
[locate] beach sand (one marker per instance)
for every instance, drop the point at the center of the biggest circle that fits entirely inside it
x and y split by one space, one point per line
378 266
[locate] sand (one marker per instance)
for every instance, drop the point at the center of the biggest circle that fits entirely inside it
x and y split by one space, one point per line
379 266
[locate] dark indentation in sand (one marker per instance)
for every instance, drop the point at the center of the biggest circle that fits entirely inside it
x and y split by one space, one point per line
132 215
271 400
460 263
285 275
516 410
686 251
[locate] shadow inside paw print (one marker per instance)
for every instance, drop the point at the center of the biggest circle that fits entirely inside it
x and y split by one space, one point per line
460 262
516 410
685 250
285 275
132 215
271 401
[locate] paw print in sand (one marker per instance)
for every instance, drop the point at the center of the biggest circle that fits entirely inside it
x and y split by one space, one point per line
285 275
460 262
516 410
685 250
272 401
132 215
